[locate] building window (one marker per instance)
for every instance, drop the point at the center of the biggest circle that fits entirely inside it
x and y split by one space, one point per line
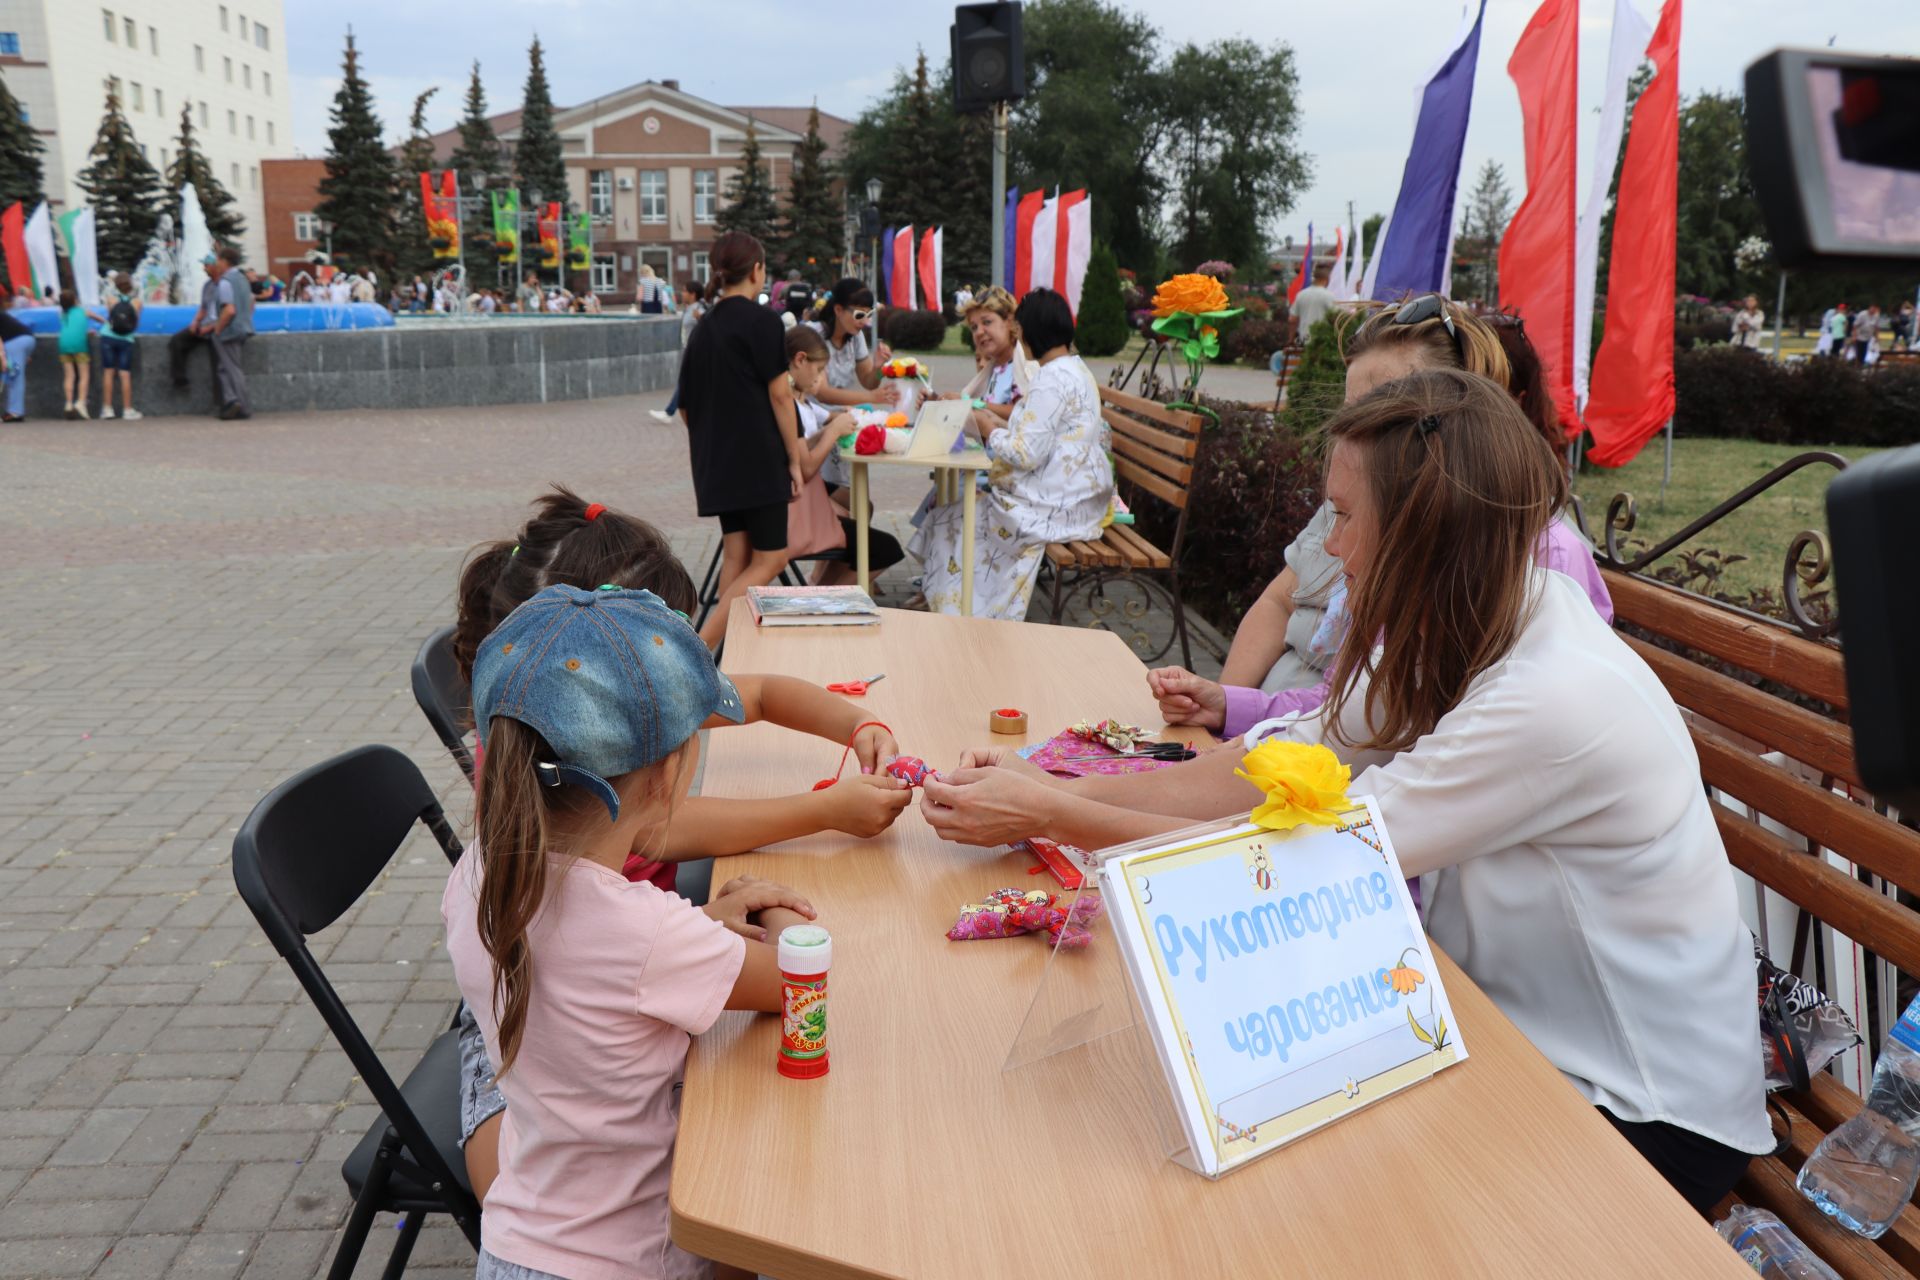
133 33
700 266
106 17
233 123
266 83
706 194
243 26
260 36
269 133
153 41
203 115
253 177
653 195
165 163
199 58
229 62
223 17
236 177
603 279
306 226
113 87
159 102
249 128
143 151
26 116
600 193
9 44
139 96
246 75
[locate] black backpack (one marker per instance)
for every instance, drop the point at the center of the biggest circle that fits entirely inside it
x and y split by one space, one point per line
123 319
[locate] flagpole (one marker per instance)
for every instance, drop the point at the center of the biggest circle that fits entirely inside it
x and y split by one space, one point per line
999 191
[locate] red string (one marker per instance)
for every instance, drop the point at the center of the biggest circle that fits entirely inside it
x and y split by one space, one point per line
824 783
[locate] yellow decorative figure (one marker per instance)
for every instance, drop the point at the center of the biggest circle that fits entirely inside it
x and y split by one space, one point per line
1302 784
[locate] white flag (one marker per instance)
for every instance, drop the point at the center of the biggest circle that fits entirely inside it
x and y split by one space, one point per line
84 254
41 256
1079 249
1630 36
1046 229
1337 279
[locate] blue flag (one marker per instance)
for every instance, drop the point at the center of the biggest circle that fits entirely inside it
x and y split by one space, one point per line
1012 221
1420 233
886 264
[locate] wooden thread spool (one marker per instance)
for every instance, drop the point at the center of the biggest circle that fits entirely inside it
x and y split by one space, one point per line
1008 720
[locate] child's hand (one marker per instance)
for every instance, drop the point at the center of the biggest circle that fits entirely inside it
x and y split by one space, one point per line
882 353
1186 698
838 425
874 746
866 805
744 896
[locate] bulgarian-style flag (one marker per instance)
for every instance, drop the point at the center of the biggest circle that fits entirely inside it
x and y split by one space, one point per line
1072 246
900 275
1305 276
1046 230
1027 213
930 267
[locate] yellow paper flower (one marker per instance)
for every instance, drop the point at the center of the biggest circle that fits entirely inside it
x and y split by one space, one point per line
1402 979
1192 293
1302 783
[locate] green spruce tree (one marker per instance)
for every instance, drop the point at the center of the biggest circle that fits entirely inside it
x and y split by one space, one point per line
537 157
190 167
476 156
749 203
357 195
20 147
413 248
814 222
1102 323
124 191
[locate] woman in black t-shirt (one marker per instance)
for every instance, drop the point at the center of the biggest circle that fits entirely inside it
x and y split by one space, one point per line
741 427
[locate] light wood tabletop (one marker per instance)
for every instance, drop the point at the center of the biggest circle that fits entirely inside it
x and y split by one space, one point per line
918 1155
953 478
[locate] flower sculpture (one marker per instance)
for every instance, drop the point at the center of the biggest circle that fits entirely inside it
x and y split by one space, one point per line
1302 783
1186 311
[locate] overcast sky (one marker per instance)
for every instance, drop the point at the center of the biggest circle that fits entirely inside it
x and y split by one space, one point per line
1358 61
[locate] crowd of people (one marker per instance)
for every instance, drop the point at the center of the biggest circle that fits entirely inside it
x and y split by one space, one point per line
1440 627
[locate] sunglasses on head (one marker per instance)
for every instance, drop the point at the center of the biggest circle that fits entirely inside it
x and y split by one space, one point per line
1432 306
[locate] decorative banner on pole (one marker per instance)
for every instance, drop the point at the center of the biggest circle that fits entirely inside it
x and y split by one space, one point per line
580 242
1046 229
76 228
930 267
1337 275
1632 394
550 236
13 244
1628 49
1027 211
887 237
1536 254
1357 265
506 227
41 256
900 279
1011 223
1304 276
1074 248
1411 255
441 208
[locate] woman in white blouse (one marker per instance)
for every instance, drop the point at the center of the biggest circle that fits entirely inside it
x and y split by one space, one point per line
1051 479
1535 774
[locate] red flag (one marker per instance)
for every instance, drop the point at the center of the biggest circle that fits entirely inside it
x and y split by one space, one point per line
1063 240
900 288
1536 254
930 269
13 241
1305 276
1023 240
1632 393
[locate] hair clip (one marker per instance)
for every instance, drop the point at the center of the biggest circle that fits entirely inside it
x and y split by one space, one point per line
682 615
594 511
608 586
1429 424
516 551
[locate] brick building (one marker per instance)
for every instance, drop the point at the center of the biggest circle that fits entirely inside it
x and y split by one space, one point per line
650 164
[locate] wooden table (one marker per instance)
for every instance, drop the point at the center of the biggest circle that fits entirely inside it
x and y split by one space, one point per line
951 471
918 1156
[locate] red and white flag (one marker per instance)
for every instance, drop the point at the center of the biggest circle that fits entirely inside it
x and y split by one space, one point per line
1072 247
900 287
930 268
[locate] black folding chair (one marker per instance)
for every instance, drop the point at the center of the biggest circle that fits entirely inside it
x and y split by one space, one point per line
444 696
306 853
710 583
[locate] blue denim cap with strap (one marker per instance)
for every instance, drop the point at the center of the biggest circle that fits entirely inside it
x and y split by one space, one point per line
613 680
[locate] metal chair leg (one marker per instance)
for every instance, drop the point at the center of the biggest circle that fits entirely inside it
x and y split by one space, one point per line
1058 574
709 596
1180 619
360 1221
403 1247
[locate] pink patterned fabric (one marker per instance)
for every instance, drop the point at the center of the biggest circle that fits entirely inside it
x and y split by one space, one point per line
1052 755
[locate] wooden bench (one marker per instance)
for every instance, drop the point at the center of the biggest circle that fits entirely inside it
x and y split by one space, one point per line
1733 725
1153 450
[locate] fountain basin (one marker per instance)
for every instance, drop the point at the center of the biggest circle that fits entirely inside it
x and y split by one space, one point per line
268 317
418 365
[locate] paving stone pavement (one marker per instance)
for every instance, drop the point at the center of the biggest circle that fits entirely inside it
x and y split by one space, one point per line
191 611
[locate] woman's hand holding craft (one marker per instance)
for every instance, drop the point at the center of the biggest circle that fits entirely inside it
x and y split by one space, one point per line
864 805
1186 698
744 896
874 747
986 806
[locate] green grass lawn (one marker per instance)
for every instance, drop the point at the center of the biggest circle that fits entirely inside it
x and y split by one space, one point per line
1705 472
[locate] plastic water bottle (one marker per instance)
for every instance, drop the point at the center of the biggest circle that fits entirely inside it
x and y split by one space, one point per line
1764 1243
1863 1172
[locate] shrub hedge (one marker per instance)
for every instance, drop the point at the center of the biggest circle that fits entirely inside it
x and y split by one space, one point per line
1729 392
912 330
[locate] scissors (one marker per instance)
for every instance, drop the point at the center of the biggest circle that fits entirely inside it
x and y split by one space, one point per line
855 688
1171 751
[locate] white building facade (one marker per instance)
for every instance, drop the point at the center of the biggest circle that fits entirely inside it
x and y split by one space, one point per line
227 62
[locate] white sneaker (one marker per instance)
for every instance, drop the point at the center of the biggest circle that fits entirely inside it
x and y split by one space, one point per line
106 411
660 415
133 415
80 411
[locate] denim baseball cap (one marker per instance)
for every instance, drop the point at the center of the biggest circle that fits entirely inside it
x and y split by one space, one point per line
614 681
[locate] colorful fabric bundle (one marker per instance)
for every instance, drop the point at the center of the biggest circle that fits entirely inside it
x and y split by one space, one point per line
911 770
1007 913
871 440
1112 733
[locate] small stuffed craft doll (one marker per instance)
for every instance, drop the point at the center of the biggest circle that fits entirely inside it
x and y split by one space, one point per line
1007 913
911 770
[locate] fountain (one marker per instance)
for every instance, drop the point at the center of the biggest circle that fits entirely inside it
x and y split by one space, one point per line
196 242
153 277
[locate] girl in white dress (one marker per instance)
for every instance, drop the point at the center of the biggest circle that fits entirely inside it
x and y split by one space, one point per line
1051 478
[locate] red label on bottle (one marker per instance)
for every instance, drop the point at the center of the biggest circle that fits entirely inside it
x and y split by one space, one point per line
803 1025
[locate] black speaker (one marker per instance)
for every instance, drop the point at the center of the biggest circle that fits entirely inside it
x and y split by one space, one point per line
989 59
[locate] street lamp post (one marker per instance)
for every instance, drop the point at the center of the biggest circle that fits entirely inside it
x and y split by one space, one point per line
873 229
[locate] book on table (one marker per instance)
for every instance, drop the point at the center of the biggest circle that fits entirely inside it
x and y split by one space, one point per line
812 607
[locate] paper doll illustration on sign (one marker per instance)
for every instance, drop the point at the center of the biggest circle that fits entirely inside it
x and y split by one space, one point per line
1405 980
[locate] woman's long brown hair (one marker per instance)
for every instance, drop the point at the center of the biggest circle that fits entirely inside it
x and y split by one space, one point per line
1462 485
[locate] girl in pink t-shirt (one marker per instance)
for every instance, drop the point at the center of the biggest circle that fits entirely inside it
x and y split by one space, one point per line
587 985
